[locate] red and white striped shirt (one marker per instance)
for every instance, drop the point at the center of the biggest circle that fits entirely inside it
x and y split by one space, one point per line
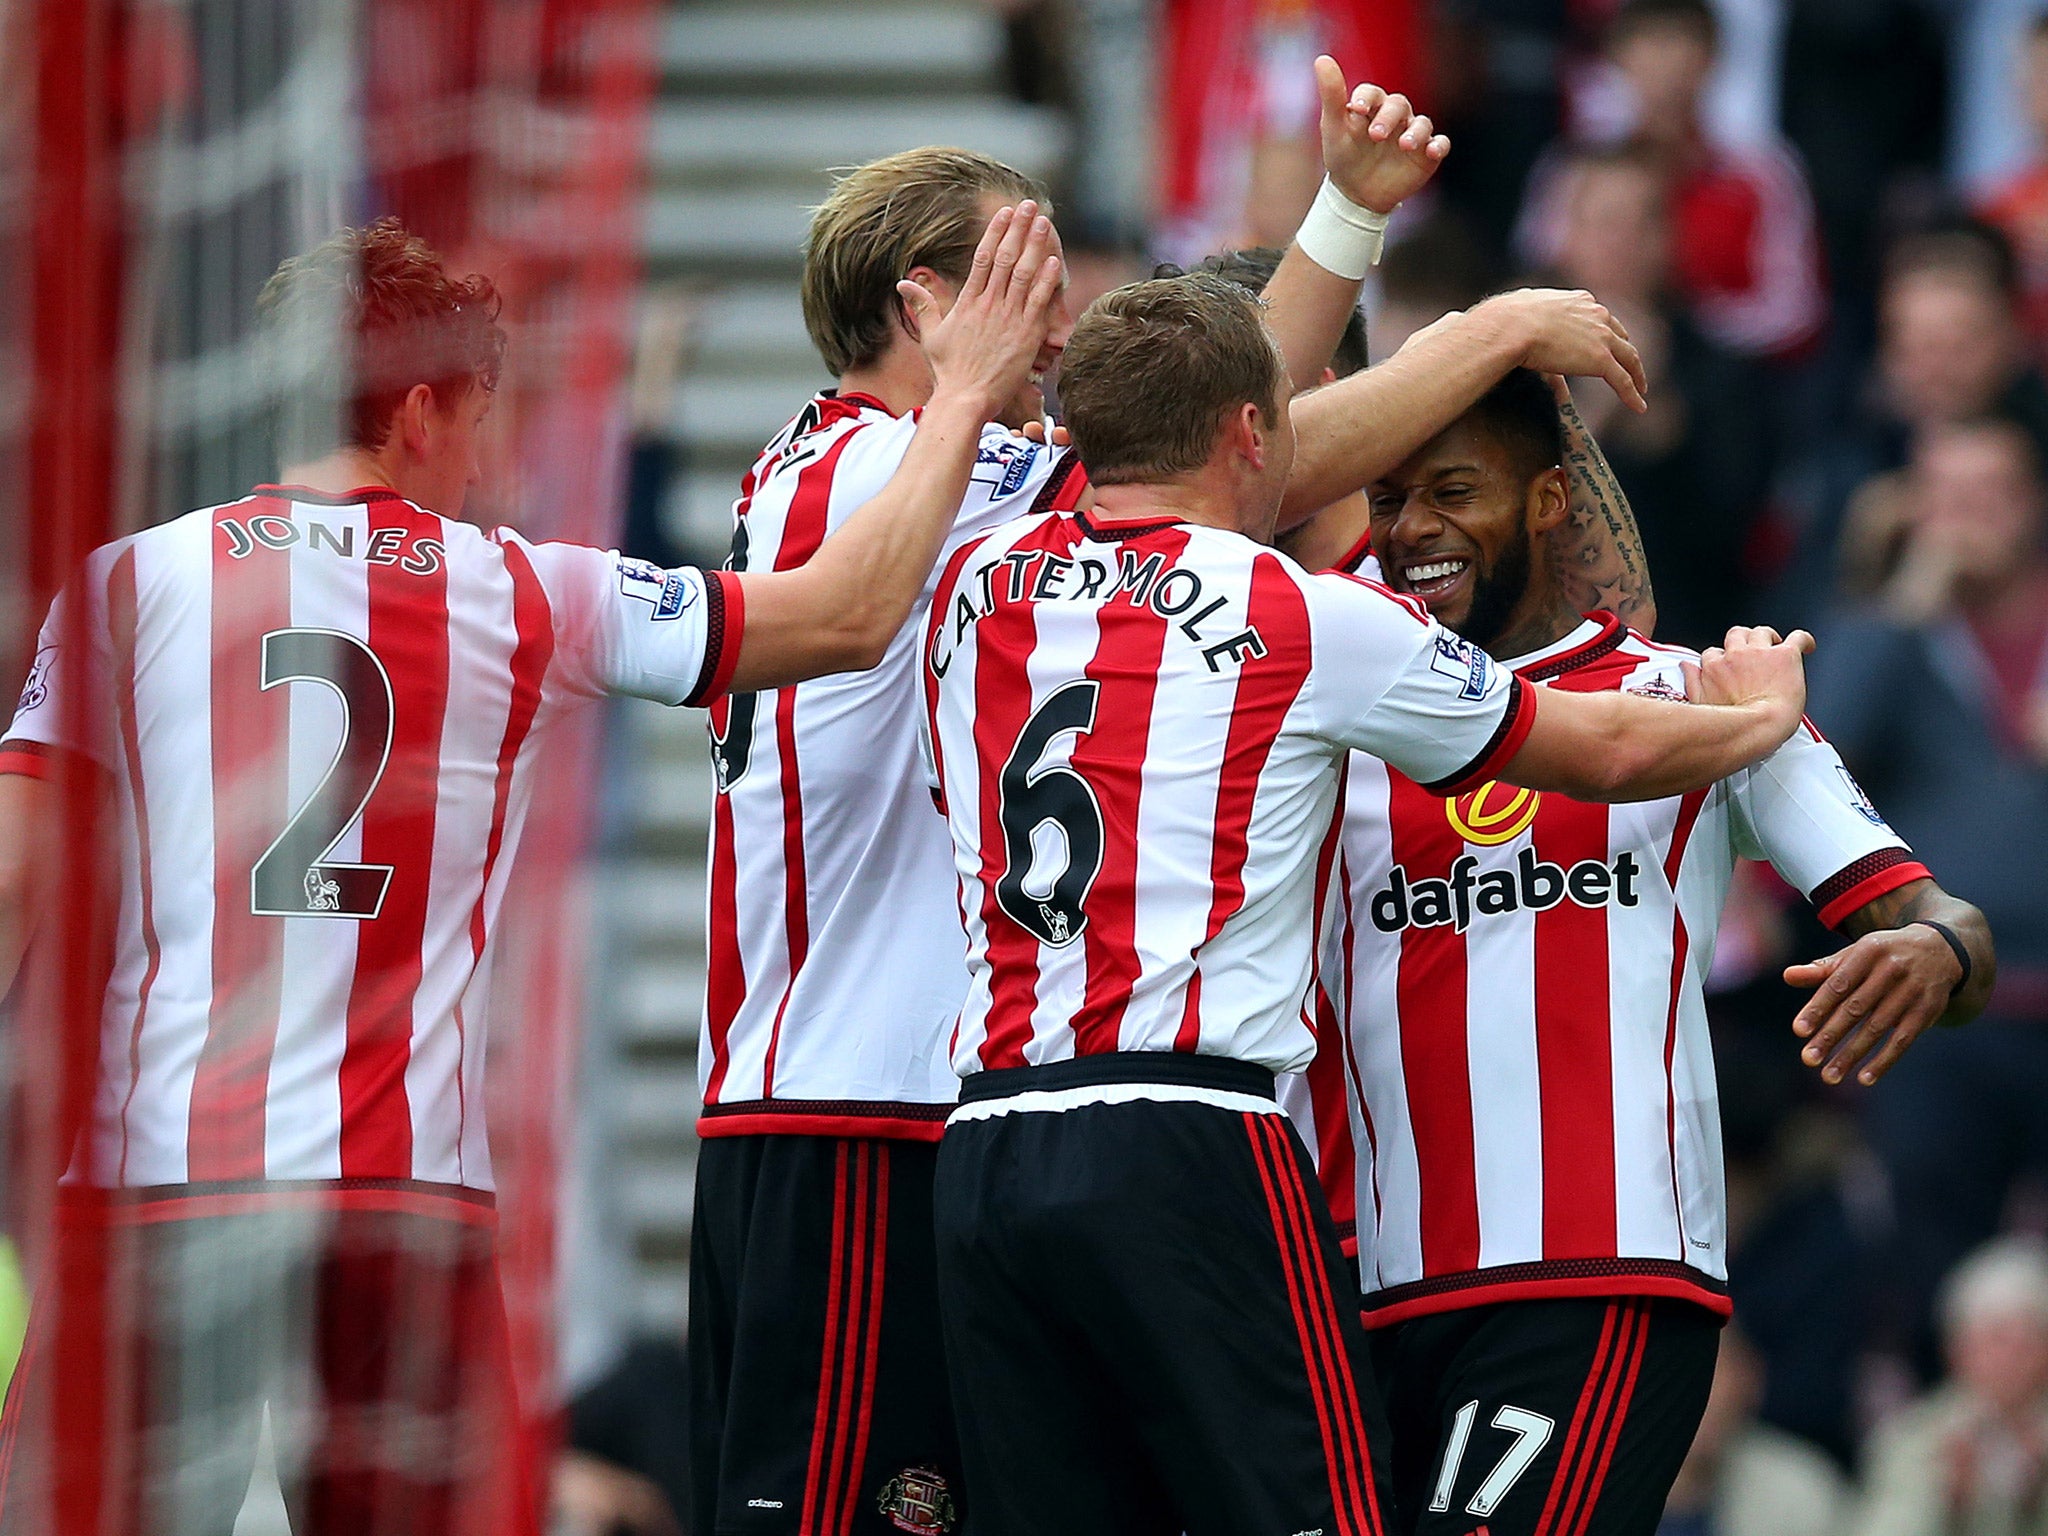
1139 730
836 962
1521 977
318 716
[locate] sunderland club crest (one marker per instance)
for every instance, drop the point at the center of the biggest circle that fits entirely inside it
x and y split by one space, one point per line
917 1499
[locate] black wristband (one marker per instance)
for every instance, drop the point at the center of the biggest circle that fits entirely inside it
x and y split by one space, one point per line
1954 943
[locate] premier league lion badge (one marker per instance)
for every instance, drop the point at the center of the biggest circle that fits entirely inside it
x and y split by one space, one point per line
917 1499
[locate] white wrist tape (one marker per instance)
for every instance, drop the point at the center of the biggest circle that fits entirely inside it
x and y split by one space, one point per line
1341 237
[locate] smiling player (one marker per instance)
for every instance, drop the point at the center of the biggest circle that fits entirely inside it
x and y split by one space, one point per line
1542 1231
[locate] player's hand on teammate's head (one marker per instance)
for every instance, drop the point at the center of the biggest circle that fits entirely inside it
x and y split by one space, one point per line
1377 148
1754 666
1568 331
985 346
1037 431
1874 999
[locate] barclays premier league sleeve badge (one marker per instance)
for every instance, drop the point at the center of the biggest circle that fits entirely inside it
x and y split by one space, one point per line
668 593
36 691
1460 660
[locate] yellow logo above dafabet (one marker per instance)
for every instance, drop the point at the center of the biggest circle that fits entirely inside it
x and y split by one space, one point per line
1493 813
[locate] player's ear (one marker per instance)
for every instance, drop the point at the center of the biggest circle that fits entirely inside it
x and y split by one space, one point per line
414 412
1550 501
933 283
1246 432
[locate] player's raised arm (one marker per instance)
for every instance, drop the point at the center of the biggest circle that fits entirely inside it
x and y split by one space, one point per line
1352 432
839 611
1378 151
1747 700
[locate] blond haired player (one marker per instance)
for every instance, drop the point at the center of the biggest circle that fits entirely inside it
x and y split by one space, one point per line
311 715
835 959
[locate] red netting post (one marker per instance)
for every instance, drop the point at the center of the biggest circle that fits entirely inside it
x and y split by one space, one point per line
74 320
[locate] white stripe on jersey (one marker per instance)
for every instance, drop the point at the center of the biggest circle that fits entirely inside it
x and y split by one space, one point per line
235 669
835 959
1544 1163
1138 729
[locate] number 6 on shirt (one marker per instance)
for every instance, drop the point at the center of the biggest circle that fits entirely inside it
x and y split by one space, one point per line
1034 795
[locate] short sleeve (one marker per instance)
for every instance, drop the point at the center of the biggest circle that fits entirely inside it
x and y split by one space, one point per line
628 626
1801 809
49 717
1390 680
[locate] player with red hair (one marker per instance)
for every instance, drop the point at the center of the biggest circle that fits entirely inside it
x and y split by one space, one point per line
311 716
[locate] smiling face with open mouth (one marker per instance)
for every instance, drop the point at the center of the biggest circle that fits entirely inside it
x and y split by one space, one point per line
1452 526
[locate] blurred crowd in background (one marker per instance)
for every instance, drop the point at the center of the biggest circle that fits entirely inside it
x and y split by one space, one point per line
1825 224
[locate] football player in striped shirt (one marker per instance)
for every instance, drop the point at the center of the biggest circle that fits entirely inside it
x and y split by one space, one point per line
313 715
1138 718
1542 1231
835 966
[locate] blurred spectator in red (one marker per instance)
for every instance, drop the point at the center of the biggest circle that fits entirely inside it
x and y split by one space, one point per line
1696 465
1239 152
1936 693
1972 1457
1746 254
1743 1478
2019 205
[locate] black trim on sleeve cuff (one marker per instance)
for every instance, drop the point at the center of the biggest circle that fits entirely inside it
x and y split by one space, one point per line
714 639
1505 741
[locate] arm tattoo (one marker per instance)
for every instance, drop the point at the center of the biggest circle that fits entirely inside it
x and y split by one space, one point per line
1597 557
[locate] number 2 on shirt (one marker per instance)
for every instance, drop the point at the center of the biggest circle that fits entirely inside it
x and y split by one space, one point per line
295 878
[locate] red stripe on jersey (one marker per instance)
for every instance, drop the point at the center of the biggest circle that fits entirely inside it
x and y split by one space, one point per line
1372 1136
533 649
1111 757
1681 833
1003 642
725 985
934 627
408 631
251 730
803 530
121 604
1267 686
1336 1156
1430 998
1574 1044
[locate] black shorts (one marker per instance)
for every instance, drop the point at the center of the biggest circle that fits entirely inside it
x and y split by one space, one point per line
1544 1418
818 1394
1150 1327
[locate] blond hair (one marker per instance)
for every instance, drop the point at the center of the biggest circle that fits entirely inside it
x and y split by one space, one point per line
920 208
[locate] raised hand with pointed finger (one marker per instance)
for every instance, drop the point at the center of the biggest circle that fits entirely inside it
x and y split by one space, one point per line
1377 149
